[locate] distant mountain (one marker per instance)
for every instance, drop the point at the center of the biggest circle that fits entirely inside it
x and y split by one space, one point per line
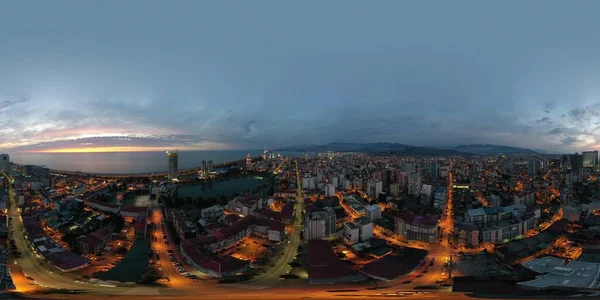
474 149
487 149
348 147
374 148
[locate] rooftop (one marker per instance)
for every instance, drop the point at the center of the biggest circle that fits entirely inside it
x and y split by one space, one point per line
576 274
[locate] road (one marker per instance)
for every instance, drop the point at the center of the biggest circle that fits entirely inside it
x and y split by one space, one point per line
271 275
176 280
183 288
439 252
36 267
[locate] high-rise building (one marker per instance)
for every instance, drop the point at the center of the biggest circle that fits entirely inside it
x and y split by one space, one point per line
4 163
203 168
374 188
590 159
414 183
433 169
173 164
351 233
395 190
209 167
373 212
248 161
319 224
365 228
330 190
576 162
534 166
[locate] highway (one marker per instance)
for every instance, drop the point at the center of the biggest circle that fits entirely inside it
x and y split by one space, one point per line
271 276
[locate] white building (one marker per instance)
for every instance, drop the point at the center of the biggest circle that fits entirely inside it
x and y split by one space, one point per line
427 190
365 228
330 190
373 212
320 224
346 184
374 188
351 233
212 213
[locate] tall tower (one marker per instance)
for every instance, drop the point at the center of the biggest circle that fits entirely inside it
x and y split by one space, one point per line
248 161
209 167
4 163
203 169
173 164
265 153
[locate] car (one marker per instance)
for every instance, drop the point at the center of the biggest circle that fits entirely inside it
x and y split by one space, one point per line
169 251
407 282
420 275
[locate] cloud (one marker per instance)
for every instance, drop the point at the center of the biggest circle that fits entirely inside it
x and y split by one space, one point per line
557 131
548 107
5 104
569 140
545 120
249 125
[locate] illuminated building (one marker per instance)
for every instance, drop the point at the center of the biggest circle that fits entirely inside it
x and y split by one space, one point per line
173 164
248 161
203 169
419 228
209 167
590 159
5 163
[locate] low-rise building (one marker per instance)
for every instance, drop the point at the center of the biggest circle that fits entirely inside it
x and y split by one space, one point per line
414 227
94 242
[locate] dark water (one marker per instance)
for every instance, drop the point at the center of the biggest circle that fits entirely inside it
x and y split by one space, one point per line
220 188
129 162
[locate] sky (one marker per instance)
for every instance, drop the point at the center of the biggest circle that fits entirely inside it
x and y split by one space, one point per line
198 75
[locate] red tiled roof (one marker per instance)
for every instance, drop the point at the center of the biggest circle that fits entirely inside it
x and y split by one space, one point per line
98 202
271 224
101 233
134 209
231 218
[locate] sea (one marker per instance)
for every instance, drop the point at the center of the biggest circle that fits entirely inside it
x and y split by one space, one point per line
130 162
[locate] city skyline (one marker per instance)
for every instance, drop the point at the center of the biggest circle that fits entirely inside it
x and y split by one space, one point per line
208 76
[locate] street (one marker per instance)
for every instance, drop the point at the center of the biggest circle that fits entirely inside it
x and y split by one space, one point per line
271 275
